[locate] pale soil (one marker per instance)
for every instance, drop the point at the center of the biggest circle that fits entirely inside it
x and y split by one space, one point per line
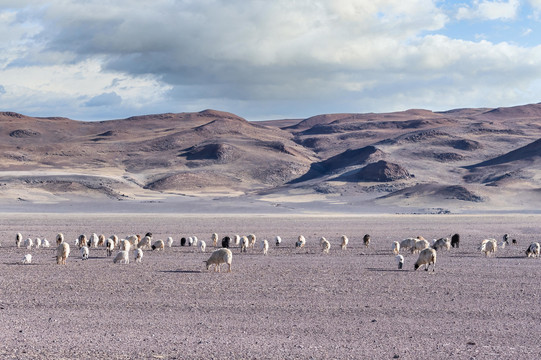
290 304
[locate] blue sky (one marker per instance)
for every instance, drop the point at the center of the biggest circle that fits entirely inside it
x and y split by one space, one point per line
522 27
97 60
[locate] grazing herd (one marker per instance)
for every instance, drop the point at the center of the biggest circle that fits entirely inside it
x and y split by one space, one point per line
427 250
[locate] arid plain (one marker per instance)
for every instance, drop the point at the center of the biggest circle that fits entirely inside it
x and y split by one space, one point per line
292 303
469 171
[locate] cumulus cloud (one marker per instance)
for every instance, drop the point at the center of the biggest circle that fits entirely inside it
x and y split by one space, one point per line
490 10
535 3
244 50
258 59
105 99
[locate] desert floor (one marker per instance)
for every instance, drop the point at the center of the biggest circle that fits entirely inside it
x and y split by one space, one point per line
293 303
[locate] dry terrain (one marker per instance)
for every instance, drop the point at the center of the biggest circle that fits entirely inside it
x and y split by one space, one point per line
456 161
293 303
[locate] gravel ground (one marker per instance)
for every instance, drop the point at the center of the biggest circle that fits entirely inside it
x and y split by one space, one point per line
291 304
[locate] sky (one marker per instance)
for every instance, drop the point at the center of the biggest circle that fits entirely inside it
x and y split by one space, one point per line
262 60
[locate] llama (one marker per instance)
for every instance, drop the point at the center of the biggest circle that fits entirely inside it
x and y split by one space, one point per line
408 243
158 245
366 240
244 244
325 245
533 250
28 243
455 240
420 244
125 245
110 246
101 240
18 239
396 247
115 239
145 243
219 257
27 259
62 253
59 238
488 246
265 247
443 243
251 239
82 241
122 257
138 255
345 242
94 239
225 242
84 252
202 245
426 257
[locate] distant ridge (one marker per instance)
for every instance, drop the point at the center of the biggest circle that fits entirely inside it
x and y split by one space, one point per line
485 158
521 112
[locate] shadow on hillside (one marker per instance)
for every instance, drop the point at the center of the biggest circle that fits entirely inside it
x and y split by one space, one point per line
355 157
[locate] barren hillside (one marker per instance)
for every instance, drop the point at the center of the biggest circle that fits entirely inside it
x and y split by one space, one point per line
464 158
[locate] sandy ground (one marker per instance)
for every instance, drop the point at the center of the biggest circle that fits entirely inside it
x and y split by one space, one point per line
293 303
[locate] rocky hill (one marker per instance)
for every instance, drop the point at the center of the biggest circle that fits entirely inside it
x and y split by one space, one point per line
463 158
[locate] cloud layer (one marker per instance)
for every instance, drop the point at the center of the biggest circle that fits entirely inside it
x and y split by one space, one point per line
91 60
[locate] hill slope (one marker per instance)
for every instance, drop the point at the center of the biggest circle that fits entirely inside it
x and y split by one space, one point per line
480 158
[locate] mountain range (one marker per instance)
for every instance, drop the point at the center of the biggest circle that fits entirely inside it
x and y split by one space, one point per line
476 158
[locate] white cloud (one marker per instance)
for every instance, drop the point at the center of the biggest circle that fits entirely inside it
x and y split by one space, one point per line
16 36
66 89
253 58
535 3
490 10
105 99
211 50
